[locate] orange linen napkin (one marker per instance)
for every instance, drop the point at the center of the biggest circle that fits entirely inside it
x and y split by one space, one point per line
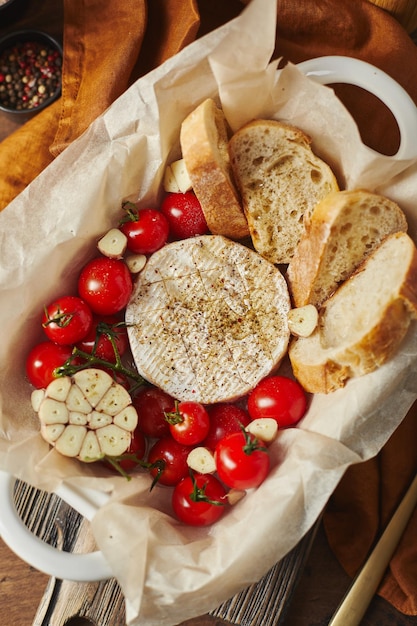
109 44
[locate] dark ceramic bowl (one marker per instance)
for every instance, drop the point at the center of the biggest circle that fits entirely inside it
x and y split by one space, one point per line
30 73
6 6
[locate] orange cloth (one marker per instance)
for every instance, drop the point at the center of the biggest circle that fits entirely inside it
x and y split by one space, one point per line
103 55
363 504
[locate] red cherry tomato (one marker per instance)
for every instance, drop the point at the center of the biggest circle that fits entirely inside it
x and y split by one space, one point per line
151 405
278 397
242 461
42 360
147 230
225 419
106 285
184 214
173 458
98 338
67 320
189 422
199 500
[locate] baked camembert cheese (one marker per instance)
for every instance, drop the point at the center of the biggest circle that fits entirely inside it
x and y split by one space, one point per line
208 319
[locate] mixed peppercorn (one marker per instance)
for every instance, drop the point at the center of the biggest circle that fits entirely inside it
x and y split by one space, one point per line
30 74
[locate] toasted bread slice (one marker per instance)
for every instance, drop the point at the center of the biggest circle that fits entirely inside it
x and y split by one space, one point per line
280 180
343 229
362 324
204 138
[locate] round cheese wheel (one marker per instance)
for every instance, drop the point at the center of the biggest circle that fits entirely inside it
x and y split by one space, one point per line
208 319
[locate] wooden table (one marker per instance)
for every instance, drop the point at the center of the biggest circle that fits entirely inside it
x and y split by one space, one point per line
24 591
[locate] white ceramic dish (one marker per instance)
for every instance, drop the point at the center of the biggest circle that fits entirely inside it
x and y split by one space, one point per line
93 566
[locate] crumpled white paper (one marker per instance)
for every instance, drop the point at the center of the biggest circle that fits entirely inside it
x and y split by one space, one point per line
169 572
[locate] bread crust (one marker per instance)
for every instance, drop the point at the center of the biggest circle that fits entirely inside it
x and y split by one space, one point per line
325 361
280 180
343 229
204 140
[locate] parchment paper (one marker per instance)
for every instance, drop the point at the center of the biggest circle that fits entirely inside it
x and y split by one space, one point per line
170 572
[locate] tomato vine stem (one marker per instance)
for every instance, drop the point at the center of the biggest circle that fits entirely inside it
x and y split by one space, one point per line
198 494
115 461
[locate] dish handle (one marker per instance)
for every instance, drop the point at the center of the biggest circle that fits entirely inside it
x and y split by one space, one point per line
348 70
89 567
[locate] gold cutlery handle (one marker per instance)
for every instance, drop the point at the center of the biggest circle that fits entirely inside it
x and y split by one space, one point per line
365 584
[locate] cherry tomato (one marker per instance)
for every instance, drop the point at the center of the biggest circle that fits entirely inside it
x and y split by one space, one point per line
67 320
242 461
278 397
151 405
147 230
189 422
199 500
184 214
43 359
225 419
106 285
173 457
98 341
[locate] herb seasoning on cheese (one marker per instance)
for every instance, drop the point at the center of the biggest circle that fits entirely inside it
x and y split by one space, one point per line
208 319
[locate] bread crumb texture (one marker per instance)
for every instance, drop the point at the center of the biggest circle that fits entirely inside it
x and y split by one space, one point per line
280 180
344 228
363 323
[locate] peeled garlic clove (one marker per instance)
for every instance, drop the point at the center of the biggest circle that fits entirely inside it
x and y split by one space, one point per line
114 400
59 388
113 440
235 495
169 183
53 412
98 419
77 402
51 432
113 245
127 418
135 263
264 428
201 460
90 449
71 440
303 320
78 418
36 399
93 383
180 172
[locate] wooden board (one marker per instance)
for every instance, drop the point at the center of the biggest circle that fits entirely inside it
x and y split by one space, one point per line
58 524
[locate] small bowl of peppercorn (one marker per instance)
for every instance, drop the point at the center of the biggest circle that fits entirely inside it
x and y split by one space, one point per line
9 9
30 73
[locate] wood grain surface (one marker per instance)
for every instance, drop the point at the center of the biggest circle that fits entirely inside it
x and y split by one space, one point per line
314 600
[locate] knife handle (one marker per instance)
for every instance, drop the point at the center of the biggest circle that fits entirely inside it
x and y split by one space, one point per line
365 584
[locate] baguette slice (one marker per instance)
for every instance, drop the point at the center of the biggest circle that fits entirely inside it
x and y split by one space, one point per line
362 324
280 180
343 229
204 141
